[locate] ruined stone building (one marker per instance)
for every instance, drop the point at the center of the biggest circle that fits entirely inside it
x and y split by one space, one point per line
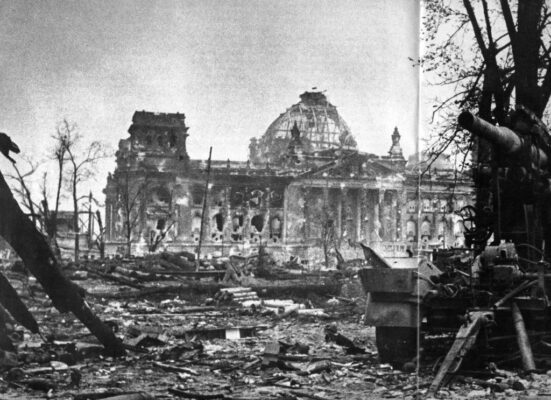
305 185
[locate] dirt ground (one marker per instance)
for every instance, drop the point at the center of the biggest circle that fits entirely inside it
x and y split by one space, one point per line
182 344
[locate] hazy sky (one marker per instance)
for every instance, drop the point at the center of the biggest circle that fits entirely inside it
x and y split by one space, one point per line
231 66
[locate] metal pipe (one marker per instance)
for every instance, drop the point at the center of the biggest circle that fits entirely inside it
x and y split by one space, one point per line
504 138
522 339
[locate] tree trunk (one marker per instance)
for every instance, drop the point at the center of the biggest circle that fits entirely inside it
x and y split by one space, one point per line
57 197
75 216
101 239
526 54
37 256
128 247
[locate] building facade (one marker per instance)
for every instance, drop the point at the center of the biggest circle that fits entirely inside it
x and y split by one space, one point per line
306 186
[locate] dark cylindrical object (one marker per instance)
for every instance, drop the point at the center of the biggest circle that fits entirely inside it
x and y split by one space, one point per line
18 310
522 339
504 138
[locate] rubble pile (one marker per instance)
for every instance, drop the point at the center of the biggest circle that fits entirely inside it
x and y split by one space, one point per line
193 337
244 296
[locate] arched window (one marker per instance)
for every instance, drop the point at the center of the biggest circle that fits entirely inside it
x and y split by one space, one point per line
425 228
237 227
196 223
275 227
172 139
426 205
218 220
411 229
442 227
258 222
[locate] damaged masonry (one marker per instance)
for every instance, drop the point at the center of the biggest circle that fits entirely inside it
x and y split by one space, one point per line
305 182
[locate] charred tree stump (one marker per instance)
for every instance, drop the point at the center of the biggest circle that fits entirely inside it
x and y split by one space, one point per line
18 310
37 256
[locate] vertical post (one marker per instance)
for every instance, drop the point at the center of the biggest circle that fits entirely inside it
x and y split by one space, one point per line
285 211
205 194
358 197
90 221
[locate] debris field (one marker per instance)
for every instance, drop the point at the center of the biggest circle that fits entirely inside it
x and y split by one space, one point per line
300 337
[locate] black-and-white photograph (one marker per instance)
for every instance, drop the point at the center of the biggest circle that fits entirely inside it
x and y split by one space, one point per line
275 200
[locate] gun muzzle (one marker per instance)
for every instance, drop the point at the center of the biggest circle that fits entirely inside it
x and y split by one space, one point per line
505 139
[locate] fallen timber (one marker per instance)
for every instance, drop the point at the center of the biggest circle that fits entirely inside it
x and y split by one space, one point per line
13 304
18 230
211 288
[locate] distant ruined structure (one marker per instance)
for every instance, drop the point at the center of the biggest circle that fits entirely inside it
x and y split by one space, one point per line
304 186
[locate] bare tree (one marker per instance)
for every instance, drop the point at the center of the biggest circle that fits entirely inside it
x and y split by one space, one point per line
132 192
49 219
21 187
63 133
328 239
99 239
81 167
163 227
485 55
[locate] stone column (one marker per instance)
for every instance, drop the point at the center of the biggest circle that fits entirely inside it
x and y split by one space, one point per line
381 212
359 218
402 220
345 213
108 227
339 215
285 217
393 214
307 192
267 215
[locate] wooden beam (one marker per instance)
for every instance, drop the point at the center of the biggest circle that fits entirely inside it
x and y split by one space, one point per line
37 256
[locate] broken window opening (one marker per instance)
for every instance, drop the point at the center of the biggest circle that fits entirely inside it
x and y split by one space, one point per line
258 222
255 200
172 139
411 230
219 222
426 229
161 223
237 196
197 195
237 228
161 196
196 222
275 229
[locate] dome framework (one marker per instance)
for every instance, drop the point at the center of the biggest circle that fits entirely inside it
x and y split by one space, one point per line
320 126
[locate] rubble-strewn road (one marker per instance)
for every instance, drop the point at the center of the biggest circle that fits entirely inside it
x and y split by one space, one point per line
180 347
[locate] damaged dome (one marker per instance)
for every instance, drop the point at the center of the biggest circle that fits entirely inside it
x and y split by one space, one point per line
320 126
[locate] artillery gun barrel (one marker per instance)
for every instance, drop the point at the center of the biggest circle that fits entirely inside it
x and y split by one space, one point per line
504 138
